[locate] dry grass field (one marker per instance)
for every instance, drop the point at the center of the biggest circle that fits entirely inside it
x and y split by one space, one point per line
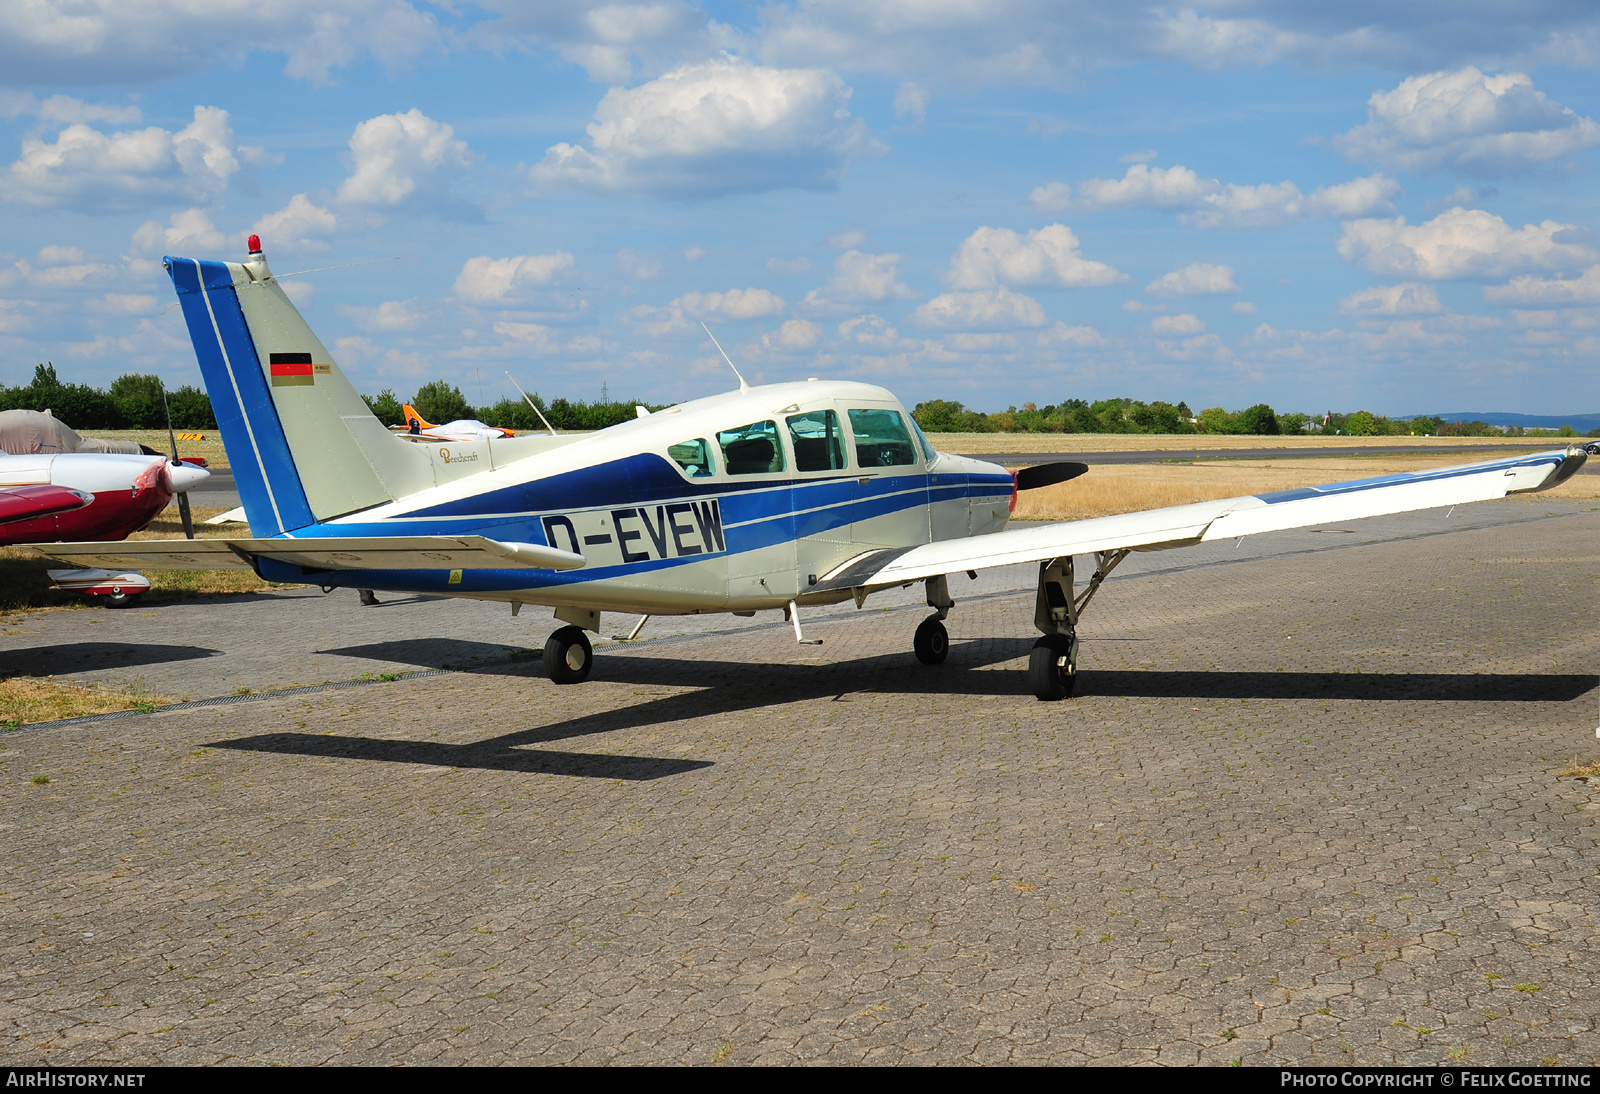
24 700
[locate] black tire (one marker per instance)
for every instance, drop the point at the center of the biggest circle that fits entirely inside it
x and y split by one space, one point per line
931 642
1051 674
568 657
120 599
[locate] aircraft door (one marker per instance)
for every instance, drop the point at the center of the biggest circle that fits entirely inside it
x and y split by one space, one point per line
823 492
758 518
891 487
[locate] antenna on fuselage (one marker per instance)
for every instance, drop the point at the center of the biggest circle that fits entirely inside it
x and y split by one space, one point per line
742 385
533 404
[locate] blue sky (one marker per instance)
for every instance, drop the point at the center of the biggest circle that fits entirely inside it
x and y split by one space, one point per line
1384 206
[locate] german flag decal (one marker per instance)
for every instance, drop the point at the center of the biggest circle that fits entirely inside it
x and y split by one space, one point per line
291 369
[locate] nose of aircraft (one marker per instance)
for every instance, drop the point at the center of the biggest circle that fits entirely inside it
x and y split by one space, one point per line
182 477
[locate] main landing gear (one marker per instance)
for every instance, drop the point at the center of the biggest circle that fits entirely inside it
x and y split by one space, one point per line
568 657
1053 662
932 642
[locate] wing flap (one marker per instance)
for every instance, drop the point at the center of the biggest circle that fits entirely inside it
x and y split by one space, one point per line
1185 525
352 553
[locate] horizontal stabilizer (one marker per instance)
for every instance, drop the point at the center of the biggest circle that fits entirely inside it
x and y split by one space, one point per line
354 553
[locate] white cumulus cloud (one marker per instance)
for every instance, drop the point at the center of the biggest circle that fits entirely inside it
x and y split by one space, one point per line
718 127
1184 324
735 304
487 280
1460 244
1406 298
1045 256
795 336
1557 291
87 169
393 154
860 278
1195 279
298 226
1211 203
1468 122
984 309
189 232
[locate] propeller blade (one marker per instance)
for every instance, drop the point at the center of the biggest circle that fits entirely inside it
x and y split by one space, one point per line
1048 474
172 439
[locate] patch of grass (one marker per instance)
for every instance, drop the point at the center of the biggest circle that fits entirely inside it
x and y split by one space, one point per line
1530 988
721 1054
1582 771
41 780
23 700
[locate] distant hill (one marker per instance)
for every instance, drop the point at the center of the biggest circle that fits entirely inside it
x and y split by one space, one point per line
1581 422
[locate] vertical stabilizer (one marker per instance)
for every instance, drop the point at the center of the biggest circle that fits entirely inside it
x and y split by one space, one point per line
302 443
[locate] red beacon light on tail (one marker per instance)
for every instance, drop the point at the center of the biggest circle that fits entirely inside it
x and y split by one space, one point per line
254 243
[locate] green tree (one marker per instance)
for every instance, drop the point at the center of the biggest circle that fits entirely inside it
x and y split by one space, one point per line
191 409
440 402
1293 424
1259 420
138 400
78 405
1363 423
1217 420
386 408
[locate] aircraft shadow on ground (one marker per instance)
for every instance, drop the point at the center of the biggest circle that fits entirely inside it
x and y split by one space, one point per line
436 653
736 687
69 657
486 755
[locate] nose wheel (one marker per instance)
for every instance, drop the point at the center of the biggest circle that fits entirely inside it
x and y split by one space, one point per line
568 657
1053 667
932 641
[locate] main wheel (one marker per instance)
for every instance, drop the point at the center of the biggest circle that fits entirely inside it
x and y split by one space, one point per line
1051 672
932 641
568 657
121 599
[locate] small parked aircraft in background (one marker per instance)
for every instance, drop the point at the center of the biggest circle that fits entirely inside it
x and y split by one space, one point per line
462 429
776 497
57 485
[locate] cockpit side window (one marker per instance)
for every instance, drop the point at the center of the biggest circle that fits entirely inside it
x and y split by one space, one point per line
694 457
817 439
881 439
751 449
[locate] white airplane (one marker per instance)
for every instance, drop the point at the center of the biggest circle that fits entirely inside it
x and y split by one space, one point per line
776 497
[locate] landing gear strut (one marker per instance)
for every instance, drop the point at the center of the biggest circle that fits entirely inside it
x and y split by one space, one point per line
1053 662
568 657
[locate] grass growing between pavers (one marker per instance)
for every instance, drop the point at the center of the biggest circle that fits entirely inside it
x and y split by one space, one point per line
24 700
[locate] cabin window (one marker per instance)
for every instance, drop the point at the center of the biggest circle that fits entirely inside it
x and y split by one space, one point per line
881 439
751 449
818 441
694 457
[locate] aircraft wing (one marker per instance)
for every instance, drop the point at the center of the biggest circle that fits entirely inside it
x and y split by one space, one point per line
1185 525
352 553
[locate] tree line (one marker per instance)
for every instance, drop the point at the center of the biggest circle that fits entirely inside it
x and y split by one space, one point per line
134 402
1134 416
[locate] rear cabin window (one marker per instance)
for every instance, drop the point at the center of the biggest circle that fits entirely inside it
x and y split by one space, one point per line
881 439
694 457
751 449
818 441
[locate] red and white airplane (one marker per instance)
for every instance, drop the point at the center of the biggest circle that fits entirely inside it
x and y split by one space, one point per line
85 497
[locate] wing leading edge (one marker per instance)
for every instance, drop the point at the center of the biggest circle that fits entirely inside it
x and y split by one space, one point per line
1185 525
351 553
